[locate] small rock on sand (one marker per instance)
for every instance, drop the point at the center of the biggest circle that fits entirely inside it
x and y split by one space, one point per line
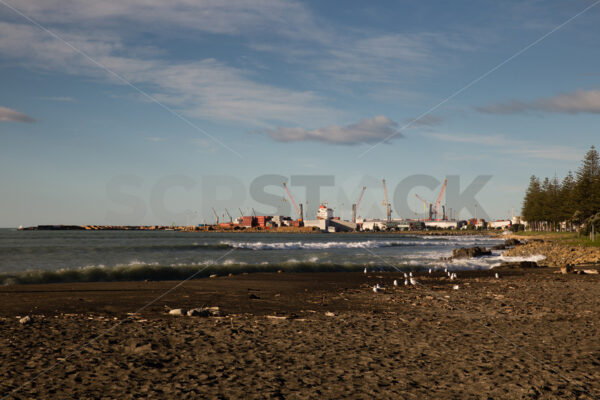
519 264
567 269
198 312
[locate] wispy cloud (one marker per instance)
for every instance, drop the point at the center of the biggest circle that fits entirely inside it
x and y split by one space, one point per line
203 145
504 145
368 130
65 99
206 89
8 115
426 121
214 16
580 101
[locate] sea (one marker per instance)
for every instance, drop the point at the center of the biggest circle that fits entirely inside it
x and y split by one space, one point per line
89 256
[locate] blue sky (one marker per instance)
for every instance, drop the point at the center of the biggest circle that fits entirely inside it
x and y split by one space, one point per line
128 112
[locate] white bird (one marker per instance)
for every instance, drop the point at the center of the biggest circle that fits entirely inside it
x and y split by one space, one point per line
365 271
497 275
395 282
410 274
429 270
452 277
446 270
413 281
406 282
455 287
377 289
405 276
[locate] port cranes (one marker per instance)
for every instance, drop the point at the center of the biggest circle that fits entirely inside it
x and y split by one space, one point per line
388 209
434 209
230 217
355 206
298 209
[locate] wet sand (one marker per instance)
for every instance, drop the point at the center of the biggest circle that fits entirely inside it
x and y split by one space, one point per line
529 334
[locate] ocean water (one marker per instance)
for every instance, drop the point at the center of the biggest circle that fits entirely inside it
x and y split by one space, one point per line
72 256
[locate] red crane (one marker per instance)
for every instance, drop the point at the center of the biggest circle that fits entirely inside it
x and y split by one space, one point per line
355 206
293 202
439 199
434 209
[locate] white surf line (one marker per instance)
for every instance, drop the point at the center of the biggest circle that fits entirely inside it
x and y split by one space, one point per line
476 80
470 314
119 77
106 332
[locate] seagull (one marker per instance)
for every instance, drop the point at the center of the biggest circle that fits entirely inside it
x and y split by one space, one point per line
365 271
452 277
410 274
455 287
497 275
405 276
377 289
446 270
406 282
395 282
429 270
413 281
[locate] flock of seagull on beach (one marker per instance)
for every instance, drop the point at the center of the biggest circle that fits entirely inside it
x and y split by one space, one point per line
410 280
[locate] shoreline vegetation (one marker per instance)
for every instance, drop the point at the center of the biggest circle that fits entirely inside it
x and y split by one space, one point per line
570 205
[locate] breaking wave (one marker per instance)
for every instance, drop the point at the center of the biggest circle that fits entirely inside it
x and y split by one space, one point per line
139 271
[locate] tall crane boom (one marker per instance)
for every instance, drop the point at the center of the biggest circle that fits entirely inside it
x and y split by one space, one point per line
292 200
439 199
355 206
229 215
388 209
216 216
422 199
360 197
426 205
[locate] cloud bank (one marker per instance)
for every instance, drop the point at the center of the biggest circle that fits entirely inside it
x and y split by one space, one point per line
580 101
368 130
8 115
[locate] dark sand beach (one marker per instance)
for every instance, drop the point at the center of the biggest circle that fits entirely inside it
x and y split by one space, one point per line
530 334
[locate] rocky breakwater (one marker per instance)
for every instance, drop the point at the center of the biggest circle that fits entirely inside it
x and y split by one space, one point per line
557 254
470 252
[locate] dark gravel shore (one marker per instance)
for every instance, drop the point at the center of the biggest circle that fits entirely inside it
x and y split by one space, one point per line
529 334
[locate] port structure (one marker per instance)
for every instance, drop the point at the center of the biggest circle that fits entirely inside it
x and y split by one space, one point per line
298 209
434 209
355 206
386 203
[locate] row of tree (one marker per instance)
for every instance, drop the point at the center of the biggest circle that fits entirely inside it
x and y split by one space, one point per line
570 203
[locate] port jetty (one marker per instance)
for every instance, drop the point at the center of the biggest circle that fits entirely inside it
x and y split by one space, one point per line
179 228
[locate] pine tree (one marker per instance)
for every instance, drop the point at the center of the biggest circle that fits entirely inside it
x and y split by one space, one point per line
587 195
566 199
532 204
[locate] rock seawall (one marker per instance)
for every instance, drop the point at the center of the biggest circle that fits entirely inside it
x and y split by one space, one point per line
557 254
